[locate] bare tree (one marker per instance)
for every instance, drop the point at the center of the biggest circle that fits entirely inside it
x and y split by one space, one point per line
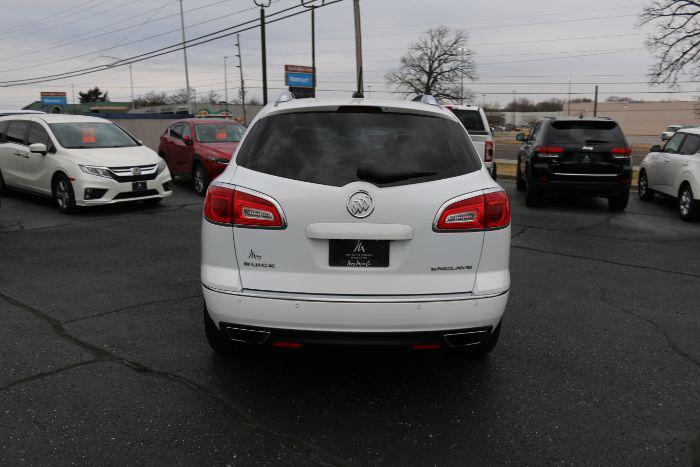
676 41
211 97
436 64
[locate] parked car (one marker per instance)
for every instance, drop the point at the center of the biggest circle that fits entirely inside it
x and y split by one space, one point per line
671 129
79 161
355 222
474 120
674 170
6 112
582 155
200 149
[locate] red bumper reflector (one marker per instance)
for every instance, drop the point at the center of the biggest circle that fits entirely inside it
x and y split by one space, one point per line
425 346
288 345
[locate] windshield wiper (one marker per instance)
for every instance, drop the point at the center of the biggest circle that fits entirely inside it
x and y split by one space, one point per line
370 174
599 141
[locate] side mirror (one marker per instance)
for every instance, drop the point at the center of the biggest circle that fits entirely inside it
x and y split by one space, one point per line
664 137
520 137
655 148
38 148
187 140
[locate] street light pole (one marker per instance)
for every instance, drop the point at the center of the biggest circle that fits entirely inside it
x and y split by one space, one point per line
131 75
568 106
240 66
263 4
225 86
184 51
513 109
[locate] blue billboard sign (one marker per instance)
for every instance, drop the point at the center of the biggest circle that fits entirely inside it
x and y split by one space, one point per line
54 100
300 80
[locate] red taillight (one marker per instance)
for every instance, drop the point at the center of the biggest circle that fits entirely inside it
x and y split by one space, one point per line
218 205
488 151
233 207
425 346
479 212
550 149
288 345
624 152
254 211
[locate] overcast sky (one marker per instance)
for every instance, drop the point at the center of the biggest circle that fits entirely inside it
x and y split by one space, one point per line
530 47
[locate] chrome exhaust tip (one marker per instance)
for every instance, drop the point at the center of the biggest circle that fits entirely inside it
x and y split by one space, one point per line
247 336
467 338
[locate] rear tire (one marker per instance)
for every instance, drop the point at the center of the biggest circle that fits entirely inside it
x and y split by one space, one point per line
619 202
532 196
216 339
494 171
200 179
63 194
645 193
3 187
688 207
519 180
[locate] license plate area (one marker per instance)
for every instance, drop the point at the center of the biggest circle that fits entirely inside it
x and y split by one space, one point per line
358 253
138 186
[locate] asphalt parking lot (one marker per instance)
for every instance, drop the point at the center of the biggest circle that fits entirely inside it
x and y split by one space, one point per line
104 358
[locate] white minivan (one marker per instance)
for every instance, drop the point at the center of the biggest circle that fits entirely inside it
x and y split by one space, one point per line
79 161
355 222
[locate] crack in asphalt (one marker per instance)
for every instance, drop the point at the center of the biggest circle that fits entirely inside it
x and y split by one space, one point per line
99 354
607 261
163 210
669 341
129 307
45 374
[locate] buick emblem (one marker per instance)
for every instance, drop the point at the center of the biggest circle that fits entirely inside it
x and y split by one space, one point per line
136 171
360 204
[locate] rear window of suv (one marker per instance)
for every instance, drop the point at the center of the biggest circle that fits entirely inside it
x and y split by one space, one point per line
586 132
472 121
337 148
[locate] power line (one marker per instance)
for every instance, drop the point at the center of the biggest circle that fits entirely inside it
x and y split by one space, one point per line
8 32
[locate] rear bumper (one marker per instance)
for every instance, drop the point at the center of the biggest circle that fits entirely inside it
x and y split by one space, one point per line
355 314
593 188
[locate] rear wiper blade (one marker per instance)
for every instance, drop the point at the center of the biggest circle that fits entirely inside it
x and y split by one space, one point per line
599 141
376 176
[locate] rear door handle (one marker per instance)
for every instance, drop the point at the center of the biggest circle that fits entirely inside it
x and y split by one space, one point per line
21 155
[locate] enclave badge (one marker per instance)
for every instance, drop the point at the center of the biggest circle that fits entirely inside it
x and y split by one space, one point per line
360 204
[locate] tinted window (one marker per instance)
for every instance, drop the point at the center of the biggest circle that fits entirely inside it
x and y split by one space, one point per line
80 135
185 131
3 130
472 121
586 132
176 131
674 143
336 148
219 132
37 134
691 144
535 131
16 131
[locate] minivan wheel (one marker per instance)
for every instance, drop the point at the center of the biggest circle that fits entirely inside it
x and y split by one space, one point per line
63 194
200 180
687 206
618 202
216 339
645 193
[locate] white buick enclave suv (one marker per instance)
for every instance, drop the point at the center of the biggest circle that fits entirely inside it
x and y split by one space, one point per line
79 161
355 222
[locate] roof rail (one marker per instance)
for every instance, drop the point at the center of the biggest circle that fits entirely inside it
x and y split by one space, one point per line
286 96
426 99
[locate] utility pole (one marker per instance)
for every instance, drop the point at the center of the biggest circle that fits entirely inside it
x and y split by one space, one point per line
595 102
263 4
358 50
184 51
225 86
513 109
483 100
568 107
311 4
240 67
461 78
131 80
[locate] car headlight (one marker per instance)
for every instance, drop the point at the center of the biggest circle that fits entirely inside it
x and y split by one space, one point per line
99 171
161 166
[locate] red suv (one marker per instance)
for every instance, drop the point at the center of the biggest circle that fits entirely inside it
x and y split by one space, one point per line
199 148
